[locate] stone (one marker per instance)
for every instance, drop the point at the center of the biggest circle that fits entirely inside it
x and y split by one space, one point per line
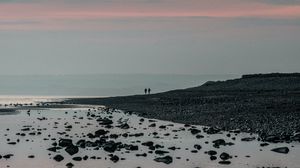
114 158
198 147
65 142
72 150
8 156
195 131
69 165
225 162
58 158
283 150
100 132
161 152
110 147
225 156
211 152
78 159
166 159
54 149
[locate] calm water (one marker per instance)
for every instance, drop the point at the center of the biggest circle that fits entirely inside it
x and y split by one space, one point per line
98 85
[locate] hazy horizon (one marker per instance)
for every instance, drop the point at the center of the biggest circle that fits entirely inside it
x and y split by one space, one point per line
98 85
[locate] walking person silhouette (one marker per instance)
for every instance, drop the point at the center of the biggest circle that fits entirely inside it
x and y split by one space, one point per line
149 90
145 90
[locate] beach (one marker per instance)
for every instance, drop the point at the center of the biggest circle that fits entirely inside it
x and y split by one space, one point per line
268 105
93 136
168 129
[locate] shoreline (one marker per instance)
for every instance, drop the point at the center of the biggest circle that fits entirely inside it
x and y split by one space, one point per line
265 104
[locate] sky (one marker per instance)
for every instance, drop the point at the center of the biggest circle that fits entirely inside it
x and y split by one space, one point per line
149 36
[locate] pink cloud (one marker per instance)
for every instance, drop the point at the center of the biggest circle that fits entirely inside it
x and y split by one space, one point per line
57 15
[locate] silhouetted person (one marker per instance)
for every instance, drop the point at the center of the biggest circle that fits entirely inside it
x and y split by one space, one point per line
145 90
149 90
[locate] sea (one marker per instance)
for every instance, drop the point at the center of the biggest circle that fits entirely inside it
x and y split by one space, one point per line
25 87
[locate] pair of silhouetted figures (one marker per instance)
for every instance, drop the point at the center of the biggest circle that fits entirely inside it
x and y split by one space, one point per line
147 90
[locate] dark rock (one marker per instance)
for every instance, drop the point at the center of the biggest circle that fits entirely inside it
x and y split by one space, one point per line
100 132
264 144
162 127
81 143
212 130
113 136
143 155
148 143
157 146
58 158
211 152
11 143
8 156
132 147
110 147
213 158
195 131
91 136
199 136
69 126
284 150
65 142
85 157
219 142
173 148
166 159
225 156
161 152
248 139
105 121
152 125
114 158
225 162
198 147
69 165
72 150
25 129
124 126
78 159
54 149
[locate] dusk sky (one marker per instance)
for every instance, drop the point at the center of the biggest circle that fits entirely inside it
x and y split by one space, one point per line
149 36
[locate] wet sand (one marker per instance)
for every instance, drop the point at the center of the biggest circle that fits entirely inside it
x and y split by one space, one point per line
139 141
